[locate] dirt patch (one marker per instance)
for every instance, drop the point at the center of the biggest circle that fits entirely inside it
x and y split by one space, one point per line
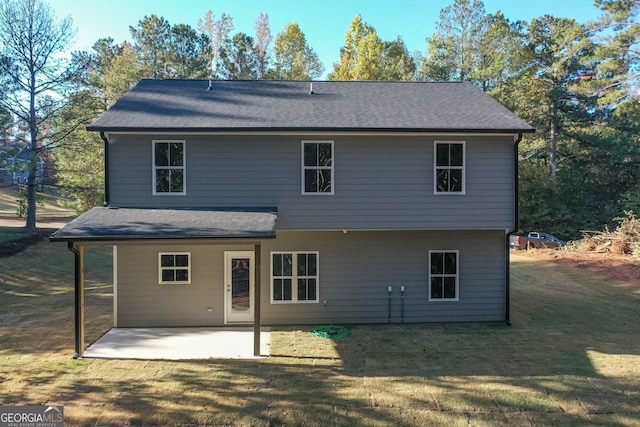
620 267
16 246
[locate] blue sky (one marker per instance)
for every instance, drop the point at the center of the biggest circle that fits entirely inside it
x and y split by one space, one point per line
324 22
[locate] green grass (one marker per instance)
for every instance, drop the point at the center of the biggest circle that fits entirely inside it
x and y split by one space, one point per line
571 357
7 234
52 203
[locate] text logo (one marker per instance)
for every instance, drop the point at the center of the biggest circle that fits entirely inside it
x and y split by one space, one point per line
32 416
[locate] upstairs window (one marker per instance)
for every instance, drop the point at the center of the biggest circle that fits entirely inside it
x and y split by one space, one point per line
449 168
443 275
168 167
317 167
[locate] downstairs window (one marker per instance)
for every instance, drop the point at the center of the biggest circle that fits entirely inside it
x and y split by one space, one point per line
294 277
443 276
174 268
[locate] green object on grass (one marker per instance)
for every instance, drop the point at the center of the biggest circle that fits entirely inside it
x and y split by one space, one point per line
331 332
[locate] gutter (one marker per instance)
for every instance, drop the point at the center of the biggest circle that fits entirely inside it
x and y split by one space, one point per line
516 223
138 238
106 168
302 129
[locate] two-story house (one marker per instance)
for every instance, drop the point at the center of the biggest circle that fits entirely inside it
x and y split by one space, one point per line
272 202
20 164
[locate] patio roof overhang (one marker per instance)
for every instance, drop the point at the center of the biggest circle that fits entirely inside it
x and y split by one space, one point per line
107 224
134 224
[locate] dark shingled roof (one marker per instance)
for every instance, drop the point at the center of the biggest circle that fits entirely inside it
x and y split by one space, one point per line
112 224
188 105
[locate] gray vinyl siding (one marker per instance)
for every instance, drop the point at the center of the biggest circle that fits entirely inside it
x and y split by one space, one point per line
142 302
355 270
381 182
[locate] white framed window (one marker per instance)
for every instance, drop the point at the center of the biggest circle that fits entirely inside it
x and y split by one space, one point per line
443 276
169 167
317 167
449 167
294 277
174 268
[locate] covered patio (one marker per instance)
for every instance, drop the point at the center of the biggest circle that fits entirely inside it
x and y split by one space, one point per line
108 226
235 342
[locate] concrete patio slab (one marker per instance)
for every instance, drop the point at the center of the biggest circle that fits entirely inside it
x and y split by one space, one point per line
178 343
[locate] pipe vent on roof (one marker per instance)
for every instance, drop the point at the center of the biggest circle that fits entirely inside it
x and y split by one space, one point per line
311 92
210 87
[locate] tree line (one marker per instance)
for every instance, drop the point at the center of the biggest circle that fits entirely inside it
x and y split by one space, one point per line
576 83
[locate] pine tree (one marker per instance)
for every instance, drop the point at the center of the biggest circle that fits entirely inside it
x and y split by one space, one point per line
35 79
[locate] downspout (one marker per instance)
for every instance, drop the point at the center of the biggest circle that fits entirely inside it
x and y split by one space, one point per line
106 168
78 301
516 223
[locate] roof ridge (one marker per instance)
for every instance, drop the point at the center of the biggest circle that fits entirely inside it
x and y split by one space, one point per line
306 81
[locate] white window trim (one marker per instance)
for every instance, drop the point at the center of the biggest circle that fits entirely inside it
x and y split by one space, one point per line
457 298
294 278
303 168
160 268
463 167
154 168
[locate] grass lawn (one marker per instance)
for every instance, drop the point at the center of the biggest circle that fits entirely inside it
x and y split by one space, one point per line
52 206
571 357
7 234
